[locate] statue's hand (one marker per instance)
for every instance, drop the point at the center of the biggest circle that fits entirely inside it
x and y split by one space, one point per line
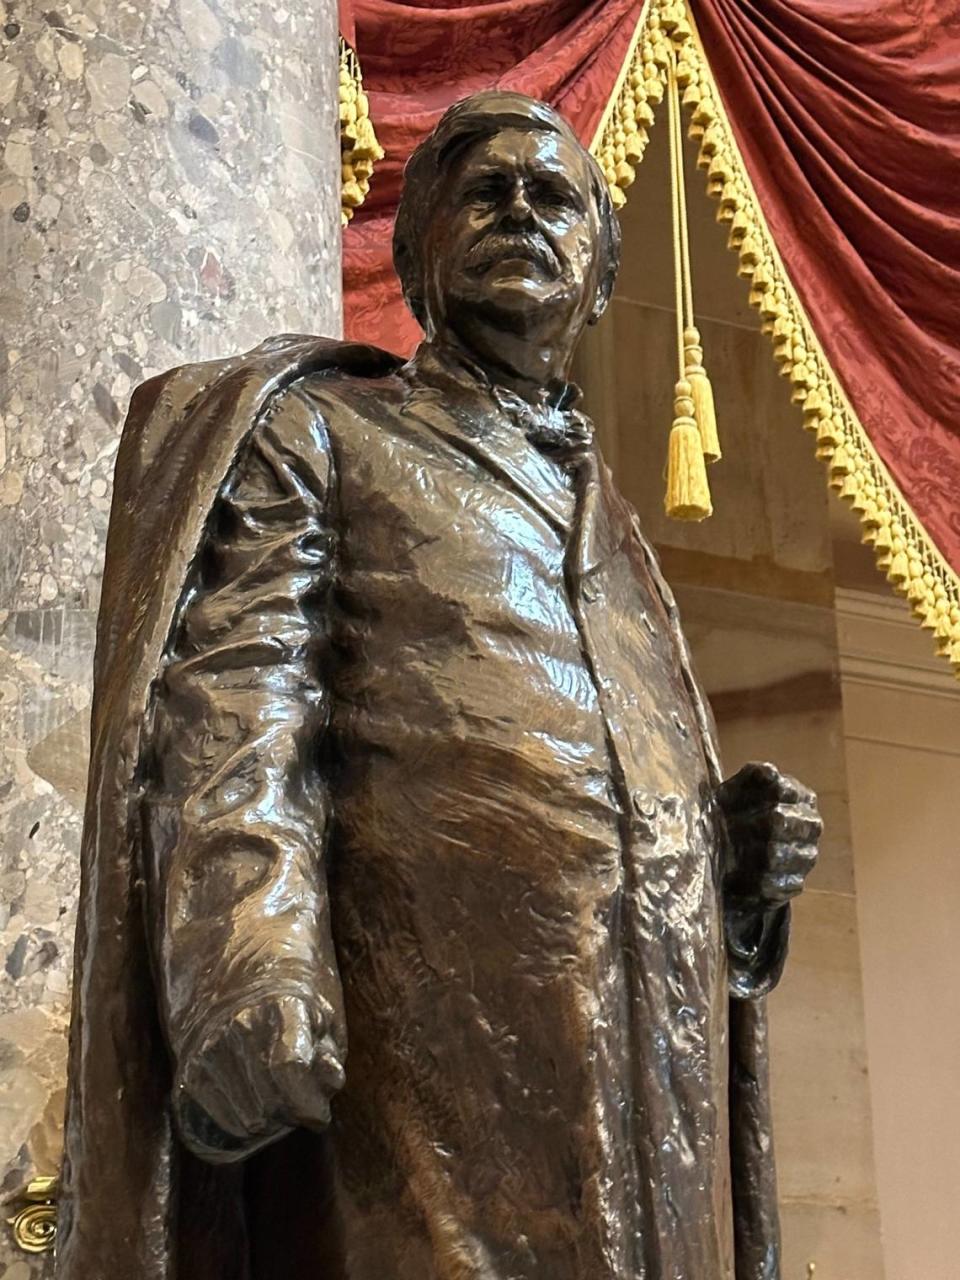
263 1071
774 826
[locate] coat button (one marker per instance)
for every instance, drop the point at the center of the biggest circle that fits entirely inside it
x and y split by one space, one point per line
644 804
590 591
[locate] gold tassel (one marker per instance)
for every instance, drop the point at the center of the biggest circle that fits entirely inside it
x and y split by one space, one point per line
942 633
899 571
367 147
693 437
688 490
702 393
883 541
351 194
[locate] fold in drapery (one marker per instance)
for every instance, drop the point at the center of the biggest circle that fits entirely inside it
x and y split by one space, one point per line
832 142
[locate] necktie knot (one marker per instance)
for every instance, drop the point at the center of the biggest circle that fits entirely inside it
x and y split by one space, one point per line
555 430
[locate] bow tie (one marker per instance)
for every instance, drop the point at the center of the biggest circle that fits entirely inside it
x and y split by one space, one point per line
547 427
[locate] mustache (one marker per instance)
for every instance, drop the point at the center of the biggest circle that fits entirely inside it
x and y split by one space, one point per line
501 244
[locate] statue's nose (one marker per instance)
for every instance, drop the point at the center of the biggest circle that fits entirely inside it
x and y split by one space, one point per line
518 205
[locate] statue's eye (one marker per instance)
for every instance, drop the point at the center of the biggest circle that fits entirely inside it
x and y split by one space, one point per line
483 193
549 196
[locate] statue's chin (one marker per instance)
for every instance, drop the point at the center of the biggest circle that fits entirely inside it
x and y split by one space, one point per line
518 300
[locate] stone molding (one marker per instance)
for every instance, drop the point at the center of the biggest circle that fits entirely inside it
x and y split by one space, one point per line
879 647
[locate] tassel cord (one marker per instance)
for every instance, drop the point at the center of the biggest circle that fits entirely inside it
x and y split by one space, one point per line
680 186
677 212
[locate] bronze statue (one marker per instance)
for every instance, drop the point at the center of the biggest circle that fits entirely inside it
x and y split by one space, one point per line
420 938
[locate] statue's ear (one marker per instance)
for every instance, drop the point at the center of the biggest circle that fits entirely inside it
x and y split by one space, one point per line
609 247
604 292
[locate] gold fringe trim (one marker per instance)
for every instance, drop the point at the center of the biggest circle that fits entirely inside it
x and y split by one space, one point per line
359 148
623 132
905 552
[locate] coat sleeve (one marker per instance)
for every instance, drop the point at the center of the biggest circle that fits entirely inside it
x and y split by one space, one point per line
235 808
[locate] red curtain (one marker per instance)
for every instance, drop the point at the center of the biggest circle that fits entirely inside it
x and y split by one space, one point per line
418 57
847 114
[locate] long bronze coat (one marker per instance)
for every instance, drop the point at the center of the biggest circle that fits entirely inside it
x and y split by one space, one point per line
393 712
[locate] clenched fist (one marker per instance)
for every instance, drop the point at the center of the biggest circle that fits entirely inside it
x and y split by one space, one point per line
256 1075
773 825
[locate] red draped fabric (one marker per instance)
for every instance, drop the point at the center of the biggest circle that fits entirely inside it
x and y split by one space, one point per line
847 115
418 57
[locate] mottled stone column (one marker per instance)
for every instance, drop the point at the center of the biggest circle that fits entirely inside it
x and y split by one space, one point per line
169 190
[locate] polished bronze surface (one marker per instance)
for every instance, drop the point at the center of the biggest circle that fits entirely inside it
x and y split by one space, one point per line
420 938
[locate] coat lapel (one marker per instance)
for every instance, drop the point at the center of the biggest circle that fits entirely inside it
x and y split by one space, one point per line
497 445
555 489
605 519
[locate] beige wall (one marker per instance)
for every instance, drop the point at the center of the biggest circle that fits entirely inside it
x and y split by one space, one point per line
902 728
771 669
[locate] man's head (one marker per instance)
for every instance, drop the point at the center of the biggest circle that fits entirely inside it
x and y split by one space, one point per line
507 217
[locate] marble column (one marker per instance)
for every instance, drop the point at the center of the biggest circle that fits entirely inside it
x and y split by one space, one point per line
169 191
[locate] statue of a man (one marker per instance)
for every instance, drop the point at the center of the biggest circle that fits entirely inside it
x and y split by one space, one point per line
413 901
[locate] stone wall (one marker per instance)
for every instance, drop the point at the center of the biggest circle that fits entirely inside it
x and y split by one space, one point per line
169 191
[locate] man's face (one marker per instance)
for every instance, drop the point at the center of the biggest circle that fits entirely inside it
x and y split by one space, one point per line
517 232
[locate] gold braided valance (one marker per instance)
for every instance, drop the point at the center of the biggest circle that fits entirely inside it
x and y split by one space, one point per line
359 148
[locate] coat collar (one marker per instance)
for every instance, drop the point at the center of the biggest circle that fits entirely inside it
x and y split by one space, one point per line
454 398
449 362
547 454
